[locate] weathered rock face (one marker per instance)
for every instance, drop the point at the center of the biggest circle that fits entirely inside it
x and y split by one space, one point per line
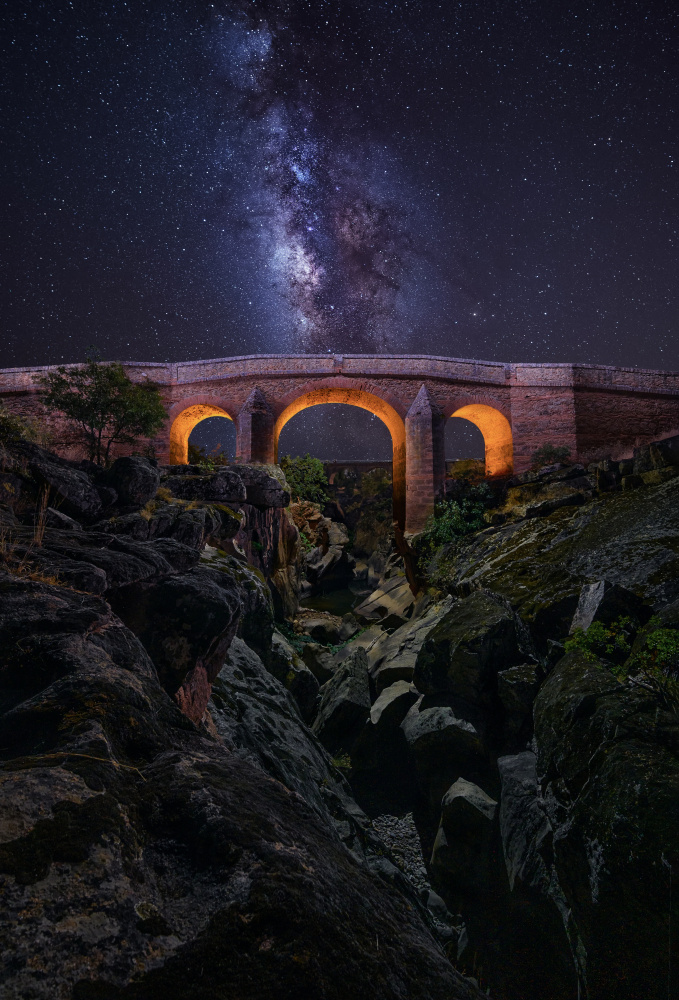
462 654
609 770
73 489
135 480
143 858
186 624
345 704
225 486
540 565
270 542
393 656
284 663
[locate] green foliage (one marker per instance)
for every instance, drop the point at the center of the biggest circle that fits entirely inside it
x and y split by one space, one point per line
374 482
453 519
208 461
306 478
654 667
109 407
608 641
293 638
342 762
16 428
549 454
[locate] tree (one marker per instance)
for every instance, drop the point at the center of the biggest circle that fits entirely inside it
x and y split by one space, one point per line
306 478
109 407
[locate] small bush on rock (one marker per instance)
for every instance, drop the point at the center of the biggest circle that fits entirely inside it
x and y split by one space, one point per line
612 642
655 667
549 454
208 461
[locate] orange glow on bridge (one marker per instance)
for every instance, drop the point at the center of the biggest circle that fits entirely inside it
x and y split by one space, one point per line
497 436
184 424
366 401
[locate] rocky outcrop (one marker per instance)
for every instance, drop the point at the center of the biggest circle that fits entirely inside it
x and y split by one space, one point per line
609 779
141 856
345 704
540 565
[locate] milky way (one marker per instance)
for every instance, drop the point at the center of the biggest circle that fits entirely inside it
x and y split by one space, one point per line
324 192
470 179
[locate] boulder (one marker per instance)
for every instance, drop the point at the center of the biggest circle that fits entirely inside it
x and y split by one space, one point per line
393 704
444 748
224 486
333 567
462 654
134 479
345 704
284 663
382 773
143 857
463 841
70 489
186 624
393 656
322 630
319 660
604 602
393 597
349 627
57 519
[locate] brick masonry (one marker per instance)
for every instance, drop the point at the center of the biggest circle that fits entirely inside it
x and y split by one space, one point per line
595 410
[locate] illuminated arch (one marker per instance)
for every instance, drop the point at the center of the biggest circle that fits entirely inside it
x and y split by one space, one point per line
497 436
366 401
183 424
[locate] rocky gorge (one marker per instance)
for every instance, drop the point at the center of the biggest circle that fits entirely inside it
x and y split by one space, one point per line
446 791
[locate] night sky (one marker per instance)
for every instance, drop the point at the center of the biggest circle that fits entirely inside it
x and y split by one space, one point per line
483 180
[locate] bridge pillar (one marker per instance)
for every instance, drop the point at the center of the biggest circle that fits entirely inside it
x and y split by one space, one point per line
425 459
254 430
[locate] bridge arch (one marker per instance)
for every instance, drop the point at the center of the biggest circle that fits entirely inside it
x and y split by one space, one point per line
183 419
497 436
379 407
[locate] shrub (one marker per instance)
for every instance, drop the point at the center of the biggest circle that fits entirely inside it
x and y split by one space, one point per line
208 461
549 454
306 478
374 482
453 519
17 428
654 667
611 642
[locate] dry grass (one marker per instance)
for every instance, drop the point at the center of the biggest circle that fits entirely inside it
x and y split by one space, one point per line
41 516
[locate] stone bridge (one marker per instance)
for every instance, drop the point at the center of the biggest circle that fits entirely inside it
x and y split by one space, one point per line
595 410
